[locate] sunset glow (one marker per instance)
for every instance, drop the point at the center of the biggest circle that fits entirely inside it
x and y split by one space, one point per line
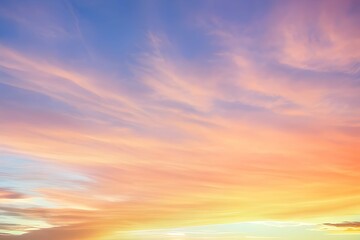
179 119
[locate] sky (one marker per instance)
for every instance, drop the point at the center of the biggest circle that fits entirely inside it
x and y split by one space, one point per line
179 120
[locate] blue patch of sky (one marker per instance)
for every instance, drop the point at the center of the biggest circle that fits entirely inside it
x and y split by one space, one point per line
25 175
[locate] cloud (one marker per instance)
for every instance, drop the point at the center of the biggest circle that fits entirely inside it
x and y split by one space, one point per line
344 224
317 36
58 233
8 194
343 227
